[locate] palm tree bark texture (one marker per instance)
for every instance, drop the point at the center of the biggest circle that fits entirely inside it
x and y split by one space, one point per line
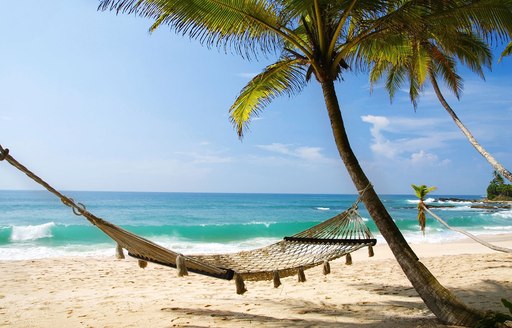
323 38
437 298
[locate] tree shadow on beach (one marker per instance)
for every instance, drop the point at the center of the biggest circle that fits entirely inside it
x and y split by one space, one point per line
303 313
398 305
405 310
241 319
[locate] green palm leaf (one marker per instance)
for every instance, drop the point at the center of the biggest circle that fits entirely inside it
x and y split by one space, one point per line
470 49
247 27
422 191
395 79
399 40
507 51
444 66
286 76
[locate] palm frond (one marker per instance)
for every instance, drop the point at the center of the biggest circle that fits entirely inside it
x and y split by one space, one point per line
286 76
507 51
422 190
395 79
377 71
470 49
445 66
391 48
245 27
490 18
415 88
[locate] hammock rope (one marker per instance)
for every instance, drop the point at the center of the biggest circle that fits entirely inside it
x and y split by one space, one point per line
329 240
464 232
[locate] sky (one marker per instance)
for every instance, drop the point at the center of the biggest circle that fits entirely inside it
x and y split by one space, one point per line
91 100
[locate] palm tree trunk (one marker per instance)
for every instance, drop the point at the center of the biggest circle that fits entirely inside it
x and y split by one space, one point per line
437 298
494 163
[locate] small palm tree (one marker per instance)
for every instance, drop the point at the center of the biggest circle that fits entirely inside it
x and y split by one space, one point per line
315 38
421 192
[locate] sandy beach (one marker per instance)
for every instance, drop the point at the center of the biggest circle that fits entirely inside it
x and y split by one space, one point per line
373 292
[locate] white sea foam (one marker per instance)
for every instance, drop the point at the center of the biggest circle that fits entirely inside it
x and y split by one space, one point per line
323 208
24 252
503 214
458 202
502 229
432 236
266 224
458 208
32 232
188 247
416 201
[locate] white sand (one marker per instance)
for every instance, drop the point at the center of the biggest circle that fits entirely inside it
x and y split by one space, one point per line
373 292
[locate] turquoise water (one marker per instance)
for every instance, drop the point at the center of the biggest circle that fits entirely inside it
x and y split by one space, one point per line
34 224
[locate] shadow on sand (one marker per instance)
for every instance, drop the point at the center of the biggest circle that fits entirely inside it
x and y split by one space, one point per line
396 313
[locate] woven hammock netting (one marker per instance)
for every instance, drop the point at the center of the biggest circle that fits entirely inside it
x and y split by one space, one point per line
326 241
329 240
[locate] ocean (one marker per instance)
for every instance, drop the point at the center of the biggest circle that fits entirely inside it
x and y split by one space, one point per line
35 224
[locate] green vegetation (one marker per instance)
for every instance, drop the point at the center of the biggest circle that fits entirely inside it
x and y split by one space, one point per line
496 319
422 192
321 41
498 190
507 51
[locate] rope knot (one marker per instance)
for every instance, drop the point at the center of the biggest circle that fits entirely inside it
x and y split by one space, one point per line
3 153
361 194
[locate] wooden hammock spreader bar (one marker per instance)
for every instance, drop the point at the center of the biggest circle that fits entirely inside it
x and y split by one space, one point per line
326 241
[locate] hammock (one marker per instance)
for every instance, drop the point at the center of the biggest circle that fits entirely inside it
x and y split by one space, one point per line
329 240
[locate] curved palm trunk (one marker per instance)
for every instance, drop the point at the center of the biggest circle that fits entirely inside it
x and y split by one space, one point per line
494 163
437 298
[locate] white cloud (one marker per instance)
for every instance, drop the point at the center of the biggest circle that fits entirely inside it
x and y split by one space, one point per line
378 122
210 159
310 154
418 139
380 144
200 158
424 158
277 148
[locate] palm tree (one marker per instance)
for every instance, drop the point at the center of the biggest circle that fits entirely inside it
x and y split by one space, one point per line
429 52
506 52
314 39
422 192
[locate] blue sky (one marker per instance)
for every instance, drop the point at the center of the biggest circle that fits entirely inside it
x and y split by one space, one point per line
92 101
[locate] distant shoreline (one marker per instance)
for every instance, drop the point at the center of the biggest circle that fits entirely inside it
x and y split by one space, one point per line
64 191
488 204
